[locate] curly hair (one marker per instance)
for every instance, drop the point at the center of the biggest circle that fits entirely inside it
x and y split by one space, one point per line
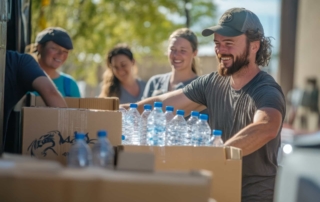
264 53
110 83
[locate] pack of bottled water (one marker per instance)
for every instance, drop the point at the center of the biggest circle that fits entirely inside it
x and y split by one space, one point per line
153 127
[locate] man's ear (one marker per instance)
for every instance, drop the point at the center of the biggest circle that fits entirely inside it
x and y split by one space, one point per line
255 46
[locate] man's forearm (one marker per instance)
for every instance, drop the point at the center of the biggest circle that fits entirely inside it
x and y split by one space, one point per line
265 127
251 138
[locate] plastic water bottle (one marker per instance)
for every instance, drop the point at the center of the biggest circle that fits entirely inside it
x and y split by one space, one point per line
177 130
169 114
80 153
124 125
191 122
133 125
201 131
143 124
156 126
216 140
102 151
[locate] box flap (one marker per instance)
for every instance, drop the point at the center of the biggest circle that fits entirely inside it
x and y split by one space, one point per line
72 102
110 103
99 103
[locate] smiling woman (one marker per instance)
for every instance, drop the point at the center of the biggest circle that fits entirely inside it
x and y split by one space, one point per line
52 47
182 55
119 79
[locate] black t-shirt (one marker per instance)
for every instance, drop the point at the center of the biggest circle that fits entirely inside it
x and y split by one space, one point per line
231 110
21 70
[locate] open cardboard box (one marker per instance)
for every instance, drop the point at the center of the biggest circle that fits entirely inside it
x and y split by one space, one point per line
224 162
48 133
35 180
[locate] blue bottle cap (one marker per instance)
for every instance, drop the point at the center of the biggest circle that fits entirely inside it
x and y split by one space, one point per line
157 104
79 136
169 108
147 106
102 133
133 105
180 112
203 117
195 113
123 137
217 132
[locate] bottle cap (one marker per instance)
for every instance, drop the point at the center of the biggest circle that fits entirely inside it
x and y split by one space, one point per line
195 113
203 117
102 133
180 112
133 105
158 104
169 108
79 136
217 132
147 106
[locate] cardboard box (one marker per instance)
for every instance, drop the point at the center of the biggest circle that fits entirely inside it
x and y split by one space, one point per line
224 162
111 103
29 183
49 132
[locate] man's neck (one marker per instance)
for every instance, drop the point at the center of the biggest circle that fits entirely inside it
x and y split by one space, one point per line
244 76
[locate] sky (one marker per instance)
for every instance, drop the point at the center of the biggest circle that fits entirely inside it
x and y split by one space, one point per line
268 12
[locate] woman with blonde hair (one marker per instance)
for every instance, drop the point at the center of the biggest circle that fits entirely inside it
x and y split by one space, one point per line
182 55
119 79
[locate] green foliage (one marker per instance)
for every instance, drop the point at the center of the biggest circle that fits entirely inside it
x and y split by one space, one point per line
97 25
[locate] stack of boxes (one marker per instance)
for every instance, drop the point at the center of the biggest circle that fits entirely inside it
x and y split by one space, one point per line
48 134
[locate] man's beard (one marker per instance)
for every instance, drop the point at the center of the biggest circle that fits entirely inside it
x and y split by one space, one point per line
240 62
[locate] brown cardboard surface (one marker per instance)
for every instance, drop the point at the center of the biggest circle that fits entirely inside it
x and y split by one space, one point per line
224 162
72 102
83 185
135 161
110 103
49 132
99 103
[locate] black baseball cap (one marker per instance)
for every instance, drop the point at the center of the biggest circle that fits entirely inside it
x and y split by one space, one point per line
234 22
57 35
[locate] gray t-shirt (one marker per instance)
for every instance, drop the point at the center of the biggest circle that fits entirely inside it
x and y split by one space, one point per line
159 84
126 97
231 110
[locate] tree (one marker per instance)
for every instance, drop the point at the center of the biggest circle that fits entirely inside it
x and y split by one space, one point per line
97 25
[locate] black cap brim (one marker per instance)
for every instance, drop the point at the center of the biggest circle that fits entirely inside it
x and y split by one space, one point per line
222 30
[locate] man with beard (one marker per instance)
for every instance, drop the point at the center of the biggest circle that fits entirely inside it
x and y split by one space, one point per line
243 101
